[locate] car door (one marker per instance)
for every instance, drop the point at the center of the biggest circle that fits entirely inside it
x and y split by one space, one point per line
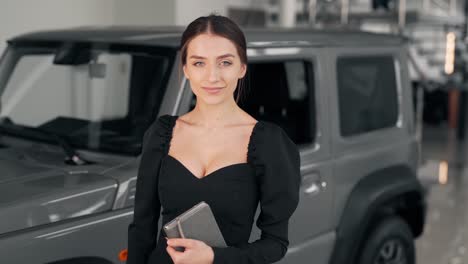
285 87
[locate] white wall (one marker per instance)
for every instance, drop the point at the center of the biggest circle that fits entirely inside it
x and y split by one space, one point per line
144 12
188 10
20 16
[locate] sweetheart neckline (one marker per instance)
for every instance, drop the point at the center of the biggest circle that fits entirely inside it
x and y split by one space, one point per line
249 145
211 173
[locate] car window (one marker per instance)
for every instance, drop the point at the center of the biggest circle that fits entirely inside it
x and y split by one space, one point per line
281 92
367 94
99 99
78 93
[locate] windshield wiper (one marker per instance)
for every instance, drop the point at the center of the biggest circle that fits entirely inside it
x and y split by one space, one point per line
71 156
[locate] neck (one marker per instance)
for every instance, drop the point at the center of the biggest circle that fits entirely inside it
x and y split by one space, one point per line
215 115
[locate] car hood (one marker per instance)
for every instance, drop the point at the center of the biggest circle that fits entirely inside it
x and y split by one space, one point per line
38 188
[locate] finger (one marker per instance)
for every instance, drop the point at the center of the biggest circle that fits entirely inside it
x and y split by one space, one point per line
173 253
170 252
182 242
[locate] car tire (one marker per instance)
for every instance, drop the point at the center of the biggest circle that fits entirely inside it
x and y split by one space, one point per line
389 241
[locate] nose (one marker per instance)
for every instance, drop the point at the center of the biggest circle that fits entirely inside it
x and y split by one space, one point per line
213 74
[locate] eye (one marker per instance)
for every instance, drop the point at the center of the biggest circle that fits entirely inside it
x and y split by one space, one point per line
198 63
226 63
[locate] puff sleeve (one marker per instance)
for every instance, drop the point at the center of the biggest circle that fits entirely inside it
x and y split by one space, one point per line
142 231
277 161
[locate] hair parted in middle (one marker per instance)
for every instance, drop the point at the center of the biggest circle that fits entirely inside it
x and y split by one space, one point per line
221 26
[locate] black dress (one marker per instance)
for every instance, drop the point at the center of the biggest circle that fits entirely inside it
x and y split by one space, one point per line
270 176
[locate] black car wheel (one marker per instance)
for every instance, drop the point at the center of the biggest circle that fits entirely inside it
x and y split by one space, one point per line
389 242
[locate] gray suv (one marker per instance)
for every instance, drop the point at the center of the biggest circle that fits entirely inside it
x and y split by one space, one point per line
75 104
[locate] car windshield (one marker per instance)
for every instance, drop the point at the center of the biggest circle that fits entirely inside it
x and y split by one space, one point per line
96 97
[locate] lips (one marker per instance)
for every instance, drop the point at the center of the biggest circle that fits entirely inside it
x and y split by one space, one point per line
212 90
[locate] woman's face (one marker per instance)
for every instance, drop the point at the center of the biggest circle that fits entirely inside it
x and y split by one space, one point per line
213 68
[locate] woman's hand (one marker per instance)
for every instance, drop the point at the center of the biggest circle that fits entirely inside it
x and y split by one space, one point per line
196 251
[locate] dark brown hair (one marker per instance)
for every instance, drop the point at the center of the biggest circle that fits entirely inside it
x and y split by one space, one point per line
220 26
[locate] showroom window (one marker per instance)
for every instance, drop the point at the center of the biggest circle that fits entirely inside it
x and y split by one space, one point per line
367 93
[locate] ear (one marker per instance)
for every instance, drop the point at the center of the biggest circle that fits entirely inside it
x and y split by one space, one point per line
243 71
184 68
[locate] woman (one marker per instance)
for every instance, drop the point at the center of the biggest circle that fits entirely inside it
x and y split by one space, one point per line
219 154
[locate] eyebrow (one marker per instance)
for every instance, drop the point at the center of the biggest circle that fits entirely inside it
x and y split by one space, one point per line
219 57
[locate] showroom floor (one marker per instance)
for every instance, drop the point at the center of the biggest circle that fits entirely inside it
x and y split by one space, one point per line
445 238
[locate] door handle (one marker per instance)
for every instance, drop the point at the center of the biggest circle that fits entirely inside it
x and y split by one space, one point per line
312 184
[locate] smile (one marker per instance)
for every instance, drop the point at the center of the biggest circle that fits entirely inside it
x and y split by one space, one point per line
212 90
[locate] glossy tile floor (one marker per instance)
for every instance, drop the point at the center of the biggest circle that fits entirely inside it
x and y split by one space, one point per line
445 238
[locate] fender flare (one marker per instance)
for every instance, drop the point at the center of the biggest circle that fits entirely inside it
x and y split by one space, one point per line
369 195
